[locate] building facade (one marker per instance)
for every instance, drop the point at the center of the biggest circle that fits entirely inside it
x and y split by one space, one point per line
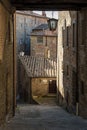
37 77
72 69
7 106
43 42
25 22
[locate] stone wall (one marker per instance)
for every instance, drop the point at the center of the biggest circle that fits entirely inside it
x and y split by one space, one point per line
25 22
47 48
82 61
6 62
24 84
64 57
40 86
29 86
72 69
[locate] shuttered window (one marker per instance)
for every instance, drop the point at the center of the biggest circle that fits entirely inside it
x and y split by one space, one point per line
40 39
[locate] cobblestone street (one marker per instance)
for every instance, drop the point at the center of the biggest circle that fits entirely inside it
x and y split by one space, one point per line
44 117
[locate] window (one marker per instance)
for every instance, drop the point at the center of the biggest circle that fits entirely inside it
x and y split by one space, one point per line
35 20
82 87
21 25
65 24
63 36
67 36
40 39
24 20
9 32
46 41
83 30
74 35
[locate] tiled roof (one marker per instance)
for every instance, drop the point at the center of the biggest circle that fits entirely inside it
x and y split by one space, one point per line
41 27
39 66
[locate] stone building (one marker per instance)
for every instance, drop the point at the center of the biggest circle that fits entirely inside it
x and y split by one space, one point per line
37 77
7 90
25 22
72 60
43 42
7 50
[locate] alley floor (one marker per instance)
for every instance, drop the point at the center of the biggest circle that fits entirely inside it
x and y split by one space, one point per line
44 117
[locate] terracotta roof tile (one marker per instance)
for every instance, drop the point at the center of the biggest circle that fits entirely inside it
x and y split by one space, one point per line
39 66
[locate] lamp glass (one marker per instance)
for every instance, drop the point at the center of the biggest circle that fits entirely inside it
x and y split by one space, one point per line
52 24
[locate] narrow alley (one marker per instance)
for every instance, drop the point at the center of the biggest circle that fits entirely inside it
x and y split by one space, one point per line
43 64
44 117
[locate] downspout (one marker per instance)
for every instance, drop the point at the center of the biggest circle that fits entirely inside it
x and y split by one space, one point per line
57 72
77 84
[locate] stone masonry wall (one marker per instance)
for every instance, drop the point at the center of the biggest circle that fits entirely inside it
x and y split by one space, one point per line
24 84
72 32
6 63
82 52
47 49
29 87
67 43
65 58
24 24
40 86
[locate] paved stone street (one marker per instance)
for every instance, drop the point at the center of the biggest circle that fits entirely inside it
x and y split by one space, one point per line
44 117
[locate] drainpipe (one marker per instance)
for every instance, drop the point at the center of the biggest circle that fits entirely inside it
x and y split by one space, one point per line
58 79
77 84
57 49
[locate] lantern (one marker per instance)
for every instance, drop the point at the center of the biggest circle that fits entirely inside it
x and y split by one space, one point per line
52 24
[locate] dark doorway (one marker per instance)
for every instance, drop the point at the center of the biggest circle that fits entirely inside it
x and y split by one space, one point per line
52 86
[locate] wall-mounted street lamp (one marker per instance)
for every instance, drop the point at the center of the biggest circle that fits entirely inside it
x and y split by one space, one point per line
52 23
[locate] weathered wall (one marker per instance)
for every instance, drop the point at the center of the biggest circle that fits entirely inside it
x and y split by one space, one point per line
82 62
72 53
63 56
40 86
6 62
29 87
24 84
47 49
25 22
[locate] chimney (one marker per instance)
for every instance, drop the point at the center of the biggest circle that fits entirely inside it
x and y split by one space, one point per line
44 13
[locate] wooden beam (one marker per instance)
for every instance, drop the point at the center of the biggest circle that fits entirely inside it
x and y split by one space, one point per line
48 6
49 1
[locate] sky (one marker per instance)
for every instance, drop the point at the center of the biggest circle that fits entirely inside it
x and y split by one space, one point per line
49 13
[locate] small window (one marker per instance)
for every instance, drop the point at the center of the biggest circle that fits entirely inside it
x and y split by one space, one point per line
65 24
74 35
21 25
83 29
35 20
67 36
24 20
82 87
63 36
40 39
46 41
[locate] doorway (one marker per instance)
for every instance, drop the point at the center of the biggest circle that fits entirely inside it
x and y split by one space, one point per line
52 86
